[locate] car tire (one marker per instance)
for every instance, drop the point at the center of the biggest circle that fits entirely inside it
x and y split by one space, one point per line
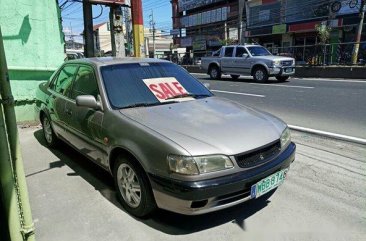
235 77
260 75
48 133
282 78
133 187
215 72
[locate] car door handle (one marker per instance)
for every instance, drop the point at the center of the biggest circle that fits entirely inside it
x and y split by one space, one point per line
68 112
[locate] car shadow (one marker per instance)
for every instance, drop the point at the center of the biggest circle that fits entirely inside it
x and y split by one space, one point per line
244 80
164 221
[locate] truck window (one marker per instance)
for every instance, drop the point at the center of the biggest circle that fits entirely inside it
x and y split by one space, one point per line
240 51
229 51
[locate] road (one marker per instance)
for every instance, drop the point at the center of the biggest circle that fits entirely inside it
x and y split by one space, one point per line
328 105
323 198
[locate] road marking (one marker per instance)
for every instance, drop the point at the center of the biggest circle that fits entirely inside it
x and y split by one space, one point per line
331 80
237 93
287 86
329 134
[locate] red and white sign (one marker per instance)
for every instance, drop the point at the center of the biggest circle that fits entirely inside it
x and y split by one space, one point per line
117 2
165 88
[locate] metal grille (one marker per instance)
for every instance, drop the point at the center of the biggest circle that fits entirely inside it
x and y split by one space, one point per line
258 157
287 63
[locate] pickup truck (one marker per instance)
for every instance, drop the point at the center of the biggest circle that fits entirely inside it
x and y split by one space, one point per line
253 60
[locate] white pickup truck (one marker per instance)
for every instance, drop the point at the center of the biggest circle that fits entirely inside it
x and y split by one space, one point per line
253 60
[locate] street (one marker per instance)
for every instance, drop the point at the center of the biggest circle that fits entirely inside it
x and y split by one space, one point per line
323 198
336 106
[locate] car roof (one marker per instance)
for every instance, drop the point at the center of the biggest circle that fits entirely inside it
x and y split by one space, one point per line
104 61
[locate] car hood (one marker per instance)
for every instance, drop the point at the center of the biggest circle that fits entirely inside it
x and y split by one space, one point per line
273 57
210 126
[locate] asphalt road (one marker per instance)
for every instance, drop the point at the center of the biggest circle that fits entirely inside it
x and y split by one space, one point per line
323 198
337 106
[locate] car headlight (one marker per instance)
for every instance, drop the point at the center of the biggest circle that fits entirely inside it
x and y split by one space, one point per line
285 138
199 165
277 63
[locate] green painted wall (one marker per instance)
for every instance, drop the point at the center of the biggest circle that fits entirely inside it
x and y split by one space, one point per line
34 47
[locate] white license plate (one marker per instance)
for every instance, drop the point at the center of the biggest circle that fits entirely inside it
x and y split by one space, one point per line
267 184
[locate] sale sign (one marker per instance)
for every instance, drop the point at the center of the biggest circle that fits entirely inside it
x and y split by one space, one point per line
166 88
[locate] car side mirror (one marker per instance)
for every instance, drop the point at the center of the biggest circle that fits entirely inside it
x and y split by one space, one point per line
245 56
88 101
207 85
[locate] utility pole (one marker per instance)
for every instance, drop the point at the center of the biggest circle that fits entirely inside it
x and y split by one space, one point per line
12 177
242 7
359 32
118 32
111 28
88 29
153 30
138 28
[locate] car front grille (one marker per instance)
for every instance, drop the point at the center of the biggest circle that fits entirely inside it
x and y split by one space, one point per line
287 63
259 156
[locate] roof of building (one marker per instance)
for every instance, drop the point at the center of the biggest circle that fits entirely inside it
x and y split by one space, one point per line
97 26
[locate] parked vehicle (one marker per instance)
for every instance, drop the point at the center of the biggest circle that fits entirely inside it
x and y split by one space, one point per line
165 138
253 60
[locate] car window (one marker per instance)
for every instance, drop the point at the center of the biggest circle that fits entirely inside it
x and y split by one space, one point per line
240 51
259 51
125 85
229 51
85 83
63 82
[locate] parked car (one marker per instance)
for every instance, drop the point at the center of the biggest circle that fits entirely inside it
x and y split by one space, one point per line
253 60
165 138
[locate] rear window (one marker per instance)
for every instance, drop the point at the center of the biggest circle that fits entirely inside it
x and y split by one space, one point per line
229 51
125 85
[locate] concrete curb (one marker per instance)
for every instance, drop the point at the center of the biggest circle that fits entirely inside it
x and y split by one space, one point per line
329 134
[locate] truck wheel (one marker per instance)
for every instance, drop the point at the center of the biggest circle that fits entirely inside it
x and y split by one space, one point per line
282 78
215 72
133 187
234 76
260 74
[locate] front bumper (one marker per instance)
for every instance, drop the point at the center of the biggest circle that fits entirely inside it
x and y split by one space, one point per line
281 71
194 198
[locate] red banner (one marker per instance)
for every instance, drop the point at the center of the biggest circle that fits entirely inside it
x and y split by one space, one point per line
117 2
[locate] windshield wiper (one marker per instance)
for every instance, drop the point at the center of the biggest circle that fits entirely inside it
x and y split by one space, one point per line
187 95
148 104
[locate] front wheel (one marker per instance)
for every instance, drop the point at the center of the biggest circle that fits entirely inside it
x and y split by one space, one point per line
282 78
260 74
215 73
133 188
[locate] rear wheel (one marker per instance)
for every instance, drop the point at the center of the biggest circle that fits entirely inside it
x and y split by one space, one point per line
282 78
48 133
234 76
260 74
133 188
215 72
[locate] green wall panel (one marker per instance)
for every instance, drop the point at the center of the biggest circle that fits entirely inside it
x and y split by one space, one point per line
34 47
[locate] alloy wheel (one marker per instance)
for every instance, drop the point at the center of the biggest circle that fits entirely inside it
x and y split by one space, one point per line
129 185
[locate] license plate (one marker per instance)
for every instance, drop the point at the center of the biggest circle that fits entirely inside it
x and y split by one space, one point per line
267 184
288 70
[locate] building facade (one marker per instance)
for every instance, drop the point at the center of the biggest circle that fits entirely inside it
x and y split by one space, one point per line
205 25
34 48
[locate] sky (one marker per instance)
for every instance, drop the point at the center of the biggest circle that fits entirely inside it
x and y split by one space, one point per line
72 15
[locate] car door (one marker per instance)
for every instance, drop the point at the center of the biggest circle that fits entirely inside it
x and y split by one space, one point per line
84 125
56 102
241 64
227 60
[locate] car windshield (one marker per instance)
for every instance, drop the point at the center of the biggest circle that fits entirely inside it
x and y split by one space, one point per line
258 51
127 84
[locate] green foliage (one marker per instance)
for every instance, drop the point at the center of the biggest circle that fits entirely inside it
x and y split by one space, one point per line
323 32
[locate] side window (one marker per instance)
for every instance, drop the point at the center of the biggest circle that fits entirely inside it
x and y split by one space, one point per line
63 82
85 83
240 51
229 51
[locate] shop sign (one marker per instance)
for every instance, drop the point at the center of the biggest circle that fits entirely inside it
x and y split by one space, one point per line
199 45
279 29
185 42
